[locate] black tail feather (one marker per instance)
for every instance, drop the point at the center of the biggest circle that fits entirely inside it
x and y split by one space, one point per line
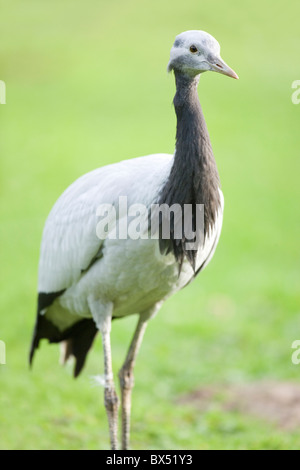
81 335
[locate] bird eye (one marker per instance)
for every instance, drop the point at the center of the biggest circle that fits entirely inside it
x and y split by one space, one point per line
193 49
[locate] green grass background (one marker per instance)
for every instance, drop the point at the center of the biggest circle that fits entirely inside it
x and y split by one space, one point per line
87 86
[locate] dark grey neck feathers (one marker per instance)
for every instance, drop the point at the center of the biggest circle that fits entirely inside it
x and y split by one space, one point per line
194 176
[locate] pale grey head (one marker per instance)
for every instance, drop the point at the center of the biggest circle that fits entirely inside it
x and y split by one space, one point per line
194 52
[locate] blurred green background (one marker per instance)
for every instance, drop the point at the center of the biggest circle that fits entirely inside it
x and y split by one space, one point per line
87 86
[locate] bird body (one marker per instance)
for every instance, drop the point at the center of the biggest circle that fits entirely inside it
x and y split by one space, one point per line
133 274
90 275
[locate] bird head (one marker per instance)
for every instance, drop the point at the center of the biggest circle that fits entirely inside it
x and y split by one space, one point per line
194 52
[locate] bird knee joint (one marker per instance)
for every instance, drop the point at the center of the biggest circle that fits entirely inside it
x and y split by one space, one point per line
111 399
126 378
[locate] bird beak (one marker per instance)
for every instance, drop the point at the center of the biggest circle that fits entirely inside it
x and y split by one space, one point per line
218 65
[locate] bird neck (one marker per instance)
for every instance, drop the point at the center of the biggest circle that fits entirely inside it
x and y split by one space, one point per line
194 176
193 146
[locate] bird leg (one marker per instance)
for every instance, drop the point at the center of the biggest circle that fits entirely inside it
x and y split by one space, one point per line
127 379
111 400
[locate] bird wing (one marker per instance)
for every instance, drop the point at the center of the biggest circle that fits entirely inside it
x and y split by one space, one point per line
70 243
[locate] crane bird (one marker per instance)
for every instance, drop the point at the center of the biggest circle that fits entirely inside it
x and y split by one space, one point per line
85 280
